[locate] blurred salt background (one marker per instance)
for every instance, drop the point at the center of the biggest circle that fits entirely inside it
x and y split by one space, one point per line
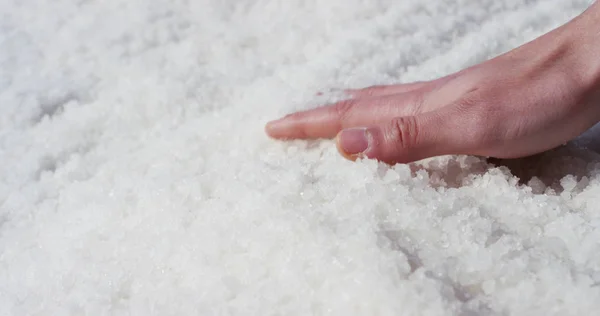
136 178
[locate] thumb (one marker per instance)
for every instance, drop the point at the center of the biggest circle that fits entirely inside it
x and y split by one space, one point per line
401 140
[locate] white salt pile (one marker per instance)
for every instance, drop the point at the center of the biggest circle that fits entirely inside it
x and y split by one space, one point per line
136 178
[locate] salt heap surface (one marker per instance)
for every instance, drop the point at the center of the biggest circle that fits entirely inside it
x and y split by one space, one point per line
136 177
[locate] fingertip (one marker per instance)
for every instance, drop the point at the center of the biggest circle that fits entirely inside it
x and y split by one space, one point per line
270 126
274 128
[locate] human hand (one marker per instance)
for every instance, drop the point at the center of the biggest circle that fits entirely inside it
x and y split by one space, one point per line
529 100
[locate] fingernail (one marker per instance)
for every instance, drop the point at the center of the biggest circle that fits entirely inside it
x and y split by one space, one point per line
353 141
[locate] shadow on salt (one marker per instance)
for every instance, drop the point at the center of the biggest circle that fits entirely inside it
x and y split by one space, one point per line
571 166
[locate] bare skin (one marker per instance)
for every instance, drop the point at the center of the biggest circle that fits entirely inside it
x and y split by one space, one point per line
526 101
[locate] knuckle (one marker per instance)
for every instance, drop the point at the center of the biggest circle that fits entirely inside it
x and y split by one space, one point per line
483 120
471 101
296 117
343 109
298 122
403 132
418 102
